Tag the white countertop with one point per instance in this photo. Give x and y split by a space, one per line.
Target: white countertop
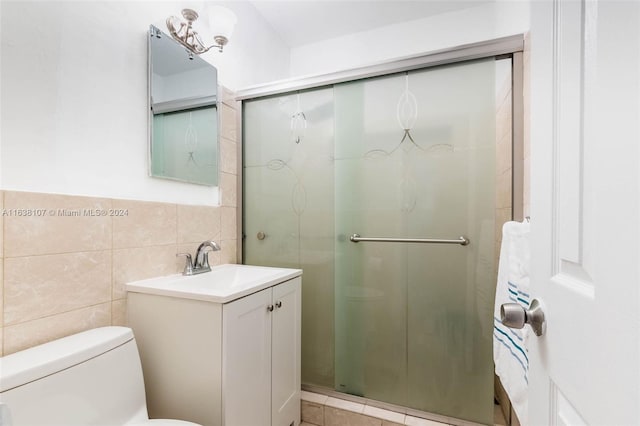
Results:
223 284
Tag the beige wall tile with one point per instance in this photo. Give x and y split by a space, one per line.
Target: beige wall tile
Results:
228 156
1 294
312 413
503 190
504 154
228 189
1 272
503 119
229 227
388 423
526 89
55 231
503 90
229 252
526 59
147 224
227 96
198 223
67 286
32 333
228 123
1 229
119 312
40 286
338 417
141 263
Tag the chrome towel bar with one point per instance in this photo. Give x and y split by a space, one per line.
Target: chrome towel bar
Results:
462 240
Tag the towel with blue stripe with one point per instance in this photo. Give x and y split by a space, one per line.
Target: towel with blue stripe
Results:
510 353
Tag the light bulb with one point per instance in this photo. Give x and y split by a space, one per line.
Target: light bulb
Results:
221 21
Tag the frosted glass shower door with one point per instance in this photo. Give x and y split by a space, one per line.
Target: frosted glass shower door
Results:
415 158
288 208
408 155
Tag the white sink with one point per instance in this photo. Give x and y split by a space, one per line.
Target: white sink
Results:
223 284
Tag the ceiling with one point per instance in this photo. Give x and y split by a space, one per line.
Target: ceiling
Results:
301 22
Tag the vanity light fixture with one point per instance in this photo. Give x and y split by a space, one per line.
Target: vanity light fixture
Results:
221 23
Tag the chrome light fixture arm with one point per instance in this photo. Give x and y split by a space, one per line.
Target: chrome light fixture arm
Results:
184 33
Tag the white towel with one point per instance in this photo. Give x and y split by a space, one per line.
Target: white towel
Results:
510 353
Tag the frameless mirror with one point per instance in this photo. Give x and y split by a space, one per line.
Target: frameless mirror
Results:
183 114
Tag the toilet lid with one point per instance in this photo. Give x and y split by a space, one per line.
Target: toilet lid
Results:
163 422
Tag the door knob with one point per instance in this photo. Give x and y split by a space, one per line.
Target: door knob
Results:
514 315
261 235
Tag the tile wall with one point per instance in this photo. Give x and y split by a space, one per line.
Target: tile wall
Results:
501 395
63 270
526 89
504 152
504 149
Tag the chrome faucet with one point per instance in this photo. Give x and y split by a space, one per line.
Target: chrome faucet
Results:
201 263
202 256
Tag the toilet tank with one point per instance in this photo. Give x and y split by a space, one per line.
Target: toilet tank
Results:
90 378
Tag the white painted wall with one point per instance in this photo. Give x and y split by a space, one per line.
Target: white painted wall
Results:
74 94
74 84
480 23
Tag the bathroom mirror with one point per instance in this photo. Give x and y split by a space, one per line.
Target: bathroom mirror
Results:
183 114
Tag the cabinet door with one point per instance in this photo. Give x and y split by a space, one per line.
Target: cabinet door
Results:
285 351
246 360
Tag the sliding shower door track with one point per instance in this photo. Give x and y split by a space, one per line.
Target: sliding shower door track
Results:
386 406
467 52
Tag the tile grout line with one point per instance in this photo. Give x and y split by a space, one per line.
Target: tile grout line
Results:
93 305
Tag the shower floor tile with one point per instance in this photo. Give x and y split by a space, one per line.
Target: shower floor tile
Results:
315 408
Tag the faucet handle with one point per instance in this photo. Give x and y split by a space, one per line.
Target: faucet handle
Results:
188 266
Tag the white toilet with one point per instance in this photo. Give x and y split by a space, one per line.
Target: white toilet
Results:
90 378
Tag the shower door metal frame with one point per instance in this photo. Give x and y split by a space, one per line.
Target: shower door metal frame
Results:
485 49
512 46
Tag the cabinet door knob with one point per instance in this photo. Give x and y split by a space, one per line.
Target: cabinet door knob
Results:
278 304
270 308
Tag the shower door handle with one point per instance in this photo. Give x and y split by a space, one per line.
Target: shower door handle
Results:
513 315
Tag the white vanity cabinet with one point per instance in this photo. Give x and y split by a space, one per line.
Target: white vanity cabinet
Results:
261 356
235 363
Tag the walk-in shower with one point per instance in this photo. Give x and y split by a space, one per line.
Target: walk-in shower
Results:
374 185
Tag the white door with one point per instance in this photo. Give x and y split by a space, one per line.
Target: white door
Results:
585 219
285 354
